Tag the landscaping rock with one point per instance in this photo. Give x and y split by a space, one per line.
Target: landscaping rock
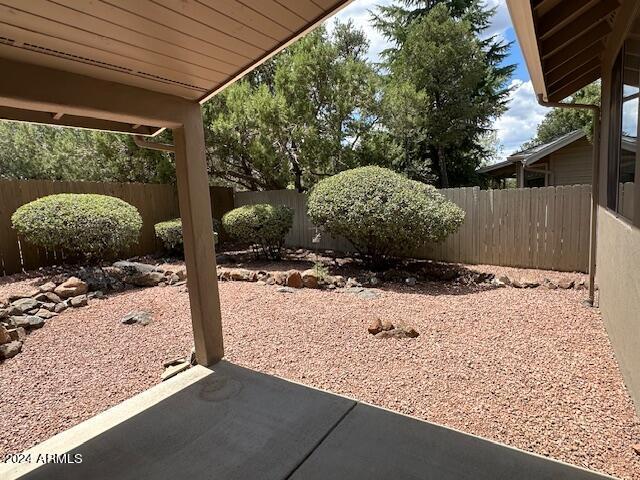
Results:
367 294
140 274
18 333
173 361
399 332
11 349
294 279
12 310
181 273
26 304
387 325
409 331
374 281
96 294
47 287
549 284
375 327
60 307
352 282
411 281
285 290
72 287
29 293
310 279
4 336
565 284
26 321
504 279
338 281
497 283
173 370
581 285
140 317
46 314
636 448
241 275
48 297
4 313
98 278
78 301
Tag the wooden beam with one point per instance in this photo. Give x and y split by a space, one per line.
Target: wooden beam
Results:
559 15
32 116
32 87
553 79
580 24
572 87
197 232
576 43
584 42
573 63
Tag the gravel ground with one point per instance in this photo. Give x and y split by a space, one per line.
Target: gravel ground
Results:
532 368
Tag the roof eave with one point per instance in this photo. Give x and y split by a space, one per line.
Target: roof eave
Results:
523 24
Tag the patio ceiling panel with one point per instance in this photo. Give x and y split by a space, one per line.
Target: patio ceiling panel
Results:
565 47
187 48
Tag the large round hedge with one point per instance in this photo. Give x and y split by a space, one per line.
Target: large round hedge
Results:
262 224
170 234
96 226
382 213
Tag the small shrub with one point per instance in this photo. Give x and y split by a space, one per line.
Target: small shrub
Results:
382 213
170 234
262 225
89 225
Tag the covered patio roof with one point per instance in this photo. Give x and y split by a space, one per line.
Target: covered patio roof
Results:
185 49
563 41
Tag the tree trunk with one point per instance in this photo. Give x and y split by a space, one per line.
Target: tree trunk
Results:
444 177
297 173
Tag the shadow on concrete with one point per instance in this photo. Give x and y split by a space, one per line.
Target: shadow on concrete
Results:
235 423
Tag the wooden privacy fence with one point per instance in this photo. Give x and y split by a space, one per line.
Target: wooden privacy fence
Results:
544 228
155 203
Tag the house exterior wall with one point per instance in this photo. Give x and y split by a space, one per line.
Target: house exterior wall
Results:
618 265
571 165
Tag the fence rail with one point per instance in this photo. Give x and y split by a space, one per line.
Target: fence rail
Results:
545 228
155 203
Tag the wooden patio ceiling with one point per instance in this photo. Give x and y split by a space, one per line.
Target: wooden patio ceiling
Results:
185 48
571 38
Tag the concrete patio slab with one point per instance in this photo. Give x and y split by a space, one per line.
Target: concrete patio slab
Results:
229 422
232 423
372 443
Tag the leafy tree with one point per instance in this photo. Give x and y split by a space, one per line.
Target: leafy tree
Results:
300 117
560 121
434 40
30 151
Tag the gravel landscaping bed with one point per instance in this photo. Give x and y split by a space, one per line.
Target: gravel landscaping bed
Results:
530 367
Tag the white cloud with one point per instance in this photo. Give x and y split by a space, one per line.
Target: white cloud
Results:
519 123
501 21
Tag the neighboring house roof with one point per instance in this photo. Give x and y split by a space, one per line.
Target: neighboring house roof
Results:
496 166
535 153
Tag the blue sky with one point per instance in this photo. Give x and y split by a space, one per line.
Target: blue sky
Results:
519 123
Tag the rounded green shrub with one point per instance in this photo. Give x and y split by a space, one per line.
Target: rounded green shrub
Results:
170 234
382 213
262 224
90 225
